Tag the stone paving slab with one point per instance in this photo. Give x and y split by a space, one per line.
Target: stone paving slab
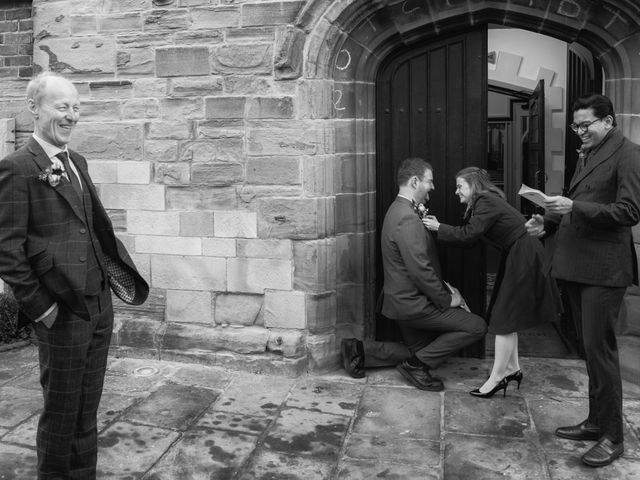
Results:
162 420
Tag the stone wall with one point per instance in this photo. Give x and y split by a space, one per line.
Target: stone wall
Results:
233 143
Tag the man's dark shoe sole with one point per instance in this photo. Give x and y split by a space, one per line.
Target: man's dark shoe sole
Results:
578 432
436 387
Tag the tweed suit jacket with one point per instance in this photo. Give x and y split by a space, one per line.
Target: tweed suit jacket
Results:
44 242
594 244
413 285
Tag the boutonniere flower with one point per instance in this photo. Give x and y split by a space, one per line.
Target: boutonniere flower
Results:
53 173
422 210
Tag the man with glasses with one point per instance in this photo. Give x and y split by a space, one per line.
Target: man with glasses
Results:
595 257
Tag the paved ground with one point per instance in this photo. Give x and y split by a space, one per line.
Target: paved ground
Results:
172 421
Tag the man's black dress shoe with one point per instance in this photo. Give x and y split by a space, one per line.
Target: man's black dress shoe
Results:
603 453
420 377
352 351
582 431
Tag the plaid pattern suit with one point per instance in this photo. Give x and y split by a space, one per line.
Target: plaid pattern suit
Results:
595 256
53 244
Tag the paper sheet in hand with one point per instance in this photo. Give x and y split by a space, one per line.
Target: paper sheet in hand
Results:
536 196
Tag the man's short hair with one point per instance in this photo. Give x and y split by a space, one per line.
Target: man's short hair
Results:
413 166
600 104
36 86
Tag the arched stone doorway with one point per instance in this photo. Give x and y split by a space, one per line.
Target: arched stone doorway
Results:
335 49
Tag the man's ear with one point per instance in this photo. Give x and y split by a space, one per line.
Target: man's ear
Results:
32 107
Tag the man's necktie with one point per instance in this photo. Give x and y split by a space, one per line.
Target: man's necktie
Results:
73 178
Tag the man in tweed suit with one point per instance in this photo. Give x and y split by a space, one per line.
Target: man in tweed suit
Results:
595 257
59 255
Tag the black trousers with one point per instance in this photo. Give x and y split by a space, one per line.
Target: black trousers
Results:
595 310
455 329
73 360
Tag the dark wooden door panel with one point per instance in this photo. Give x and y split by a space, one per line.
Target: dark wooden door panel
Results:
431 103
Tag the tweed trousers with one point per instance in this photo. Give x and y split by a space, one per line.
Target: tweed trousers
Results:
73 359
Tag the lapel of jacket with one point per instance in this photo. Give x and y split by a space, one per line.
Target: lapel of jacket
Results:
608 148
64 188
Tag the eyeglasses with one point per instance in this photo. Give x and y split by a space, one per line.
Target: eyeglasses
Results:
583 127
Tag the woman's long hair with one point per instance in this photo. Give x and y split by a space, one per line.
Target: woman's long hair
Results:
479 181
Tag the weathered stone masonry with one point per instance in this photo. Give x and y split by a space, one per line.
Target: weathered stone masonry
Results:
233 142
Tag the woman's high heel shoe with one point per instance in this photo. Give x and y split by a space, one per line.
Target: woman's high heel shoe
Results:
515 377
502 385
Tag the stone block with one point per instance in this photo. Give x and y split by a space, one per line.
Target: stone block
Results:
202 37
257 248
108 141
142 261
168 245
224 107
283 138
187 306
111 6
182 108
103 172
315 99
273 170
147 222
353 174
118 22
134 172
287 343
247 59
255 275
216 174
318 175
253 34
143 197
198 86
352 212
295 218
235 224
150 87
219 247
214 150
181 61
270 13
323 353
92 55
172 173
204 198
141 333
188 272
161 151
118 219
196 224
165 130
219 17
185 337
166 20
101 111
238 309
285 310
321 312
270 107
109 89
354 254
314 265
220 128
141 108
141 40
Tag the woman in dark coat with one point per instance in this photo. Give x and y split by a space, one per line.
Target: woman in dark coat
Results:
524 294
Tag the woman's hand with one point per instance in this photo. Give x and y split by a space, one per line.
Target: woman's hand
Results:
535 226
431 223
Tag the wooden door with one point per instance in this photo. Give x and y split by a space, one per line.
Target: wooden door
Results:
533 173
431 103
